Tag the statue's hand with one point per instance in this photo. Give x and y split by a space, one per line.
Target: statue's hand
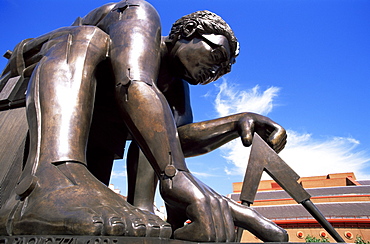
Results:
189 199
213 217
274 134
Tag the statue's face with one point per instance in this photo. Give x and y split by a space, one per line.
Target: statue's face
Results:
204 58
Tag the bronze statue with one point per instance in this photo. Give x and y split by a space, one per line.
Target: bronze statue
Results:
113 71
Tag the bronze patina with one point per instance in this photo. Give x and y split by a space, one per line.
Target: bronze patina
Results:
110 77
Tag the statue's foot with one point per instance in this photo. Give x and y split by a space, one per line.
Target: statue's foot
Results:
68 199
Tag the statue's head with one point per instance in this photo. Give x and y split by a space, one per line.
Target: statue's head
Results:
212 29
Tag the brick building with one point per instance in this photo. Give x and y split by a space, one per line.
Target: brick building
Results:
343 200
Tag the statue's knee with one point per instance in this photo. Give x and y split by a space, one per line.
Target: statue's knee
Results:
73 43
91 34
87 32
86 45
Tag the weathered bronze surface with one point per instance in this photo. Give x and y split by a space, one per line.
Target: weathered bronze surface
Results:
70 239
107 78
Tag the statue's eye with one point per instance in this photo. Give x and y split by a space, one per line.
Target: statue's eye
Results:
219 55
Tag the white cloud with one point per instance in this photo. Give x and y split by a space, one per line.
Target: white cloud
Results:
309 156
305 154
118 174
231 100
202 174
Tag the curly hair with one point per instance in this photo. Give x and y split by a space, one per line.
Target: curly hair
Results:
208 23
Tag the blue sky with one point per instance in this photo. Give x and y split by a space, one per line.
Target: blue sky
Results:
305 64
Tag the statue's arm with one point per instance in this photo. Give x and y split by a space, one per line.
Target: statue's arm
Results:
203 137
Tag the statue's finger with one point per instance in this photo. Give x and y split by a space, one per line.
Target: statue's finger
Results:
246 131
278 136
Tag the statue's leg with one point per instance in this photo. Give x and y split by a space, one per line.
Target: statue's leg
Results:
57 194
142 180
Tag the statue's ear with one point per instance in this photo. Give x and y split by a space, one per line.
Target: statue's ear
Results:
189 28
